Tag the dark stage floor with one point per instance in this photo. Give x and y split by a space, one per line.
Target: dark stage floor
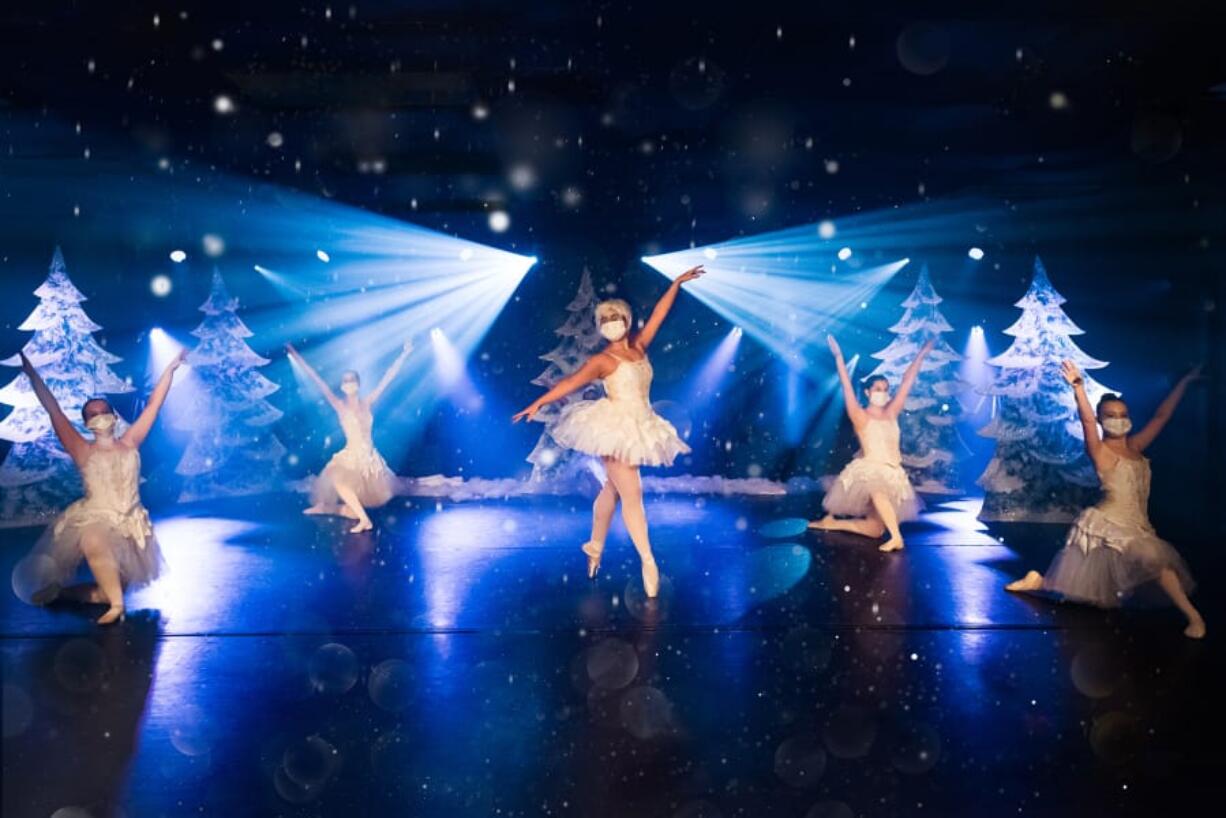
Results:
458 663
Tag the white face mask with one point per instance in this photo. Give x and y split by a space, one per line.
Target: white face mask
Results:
1117 427
101 424
349 388
879 399
613 330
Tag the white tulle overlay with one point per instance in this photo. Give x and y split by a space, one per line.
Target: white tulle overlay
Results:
110 509
621 426
877 470
358 465
1112 547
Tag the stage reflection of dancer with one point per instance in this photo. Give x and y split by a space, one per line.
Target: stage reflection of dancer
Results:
873 488
621 429
357 477
1112 548
108 527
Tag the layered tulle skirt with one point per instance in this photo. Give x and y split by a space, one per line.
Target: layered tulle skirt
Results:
362 469
57 556
1105 559
850 495
625 431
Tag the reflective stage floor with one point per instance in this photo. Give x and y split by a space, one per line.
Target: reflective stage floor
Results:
457 662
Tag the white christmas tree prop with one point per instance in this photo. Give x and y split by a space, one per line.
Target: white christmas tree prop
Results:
37 478
1039 471
233 450
931 446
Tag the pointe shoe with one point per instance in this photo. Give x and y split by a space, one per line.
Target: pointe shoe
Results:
115 613
892 544
363 525
593 552
651 580
1195 629
1033 581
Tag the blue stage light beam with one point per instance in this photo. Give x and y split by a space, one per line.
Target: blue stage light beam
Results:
452 373
706 384
785 289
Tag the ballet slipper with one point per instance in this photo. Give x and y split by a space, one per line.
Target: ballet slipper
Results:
593 550
115 613
892 544
1195 629
1033 581
363 525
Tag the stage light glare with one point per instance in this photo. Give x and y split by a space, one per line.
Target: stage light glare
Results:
826 229
710 253
499 221
178 256
322 256
466 254
844 254
975 253
436 334
977 330
737 332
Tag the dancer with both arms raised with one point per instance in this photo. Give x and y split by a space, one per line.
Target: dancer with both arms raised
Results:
108 528
873 488
621 429
357 477
1112 548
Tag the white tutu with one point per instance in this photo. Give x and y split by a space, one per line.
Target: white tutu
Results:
362 469
1104 560
851 493
111 509
622 426
606 428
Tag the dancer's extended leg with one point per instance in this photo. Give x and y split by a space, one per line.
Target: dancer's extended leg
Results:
869 526
629 487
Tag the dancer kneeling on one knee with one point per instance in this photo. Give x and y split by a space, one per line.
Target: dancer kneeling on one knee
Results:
357 477
621 429
873 489
108 528
1112 548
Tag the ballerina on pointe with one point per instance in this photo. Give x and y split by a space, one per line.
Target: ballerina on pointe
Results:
108 527
621 429
873 488
1112 548
357 477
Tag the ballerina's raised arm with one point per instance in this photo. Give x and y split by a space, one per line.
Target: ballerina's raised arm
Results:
139 430
390 374
663 306
1162 415
895 406
72 440
329 395
850 402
